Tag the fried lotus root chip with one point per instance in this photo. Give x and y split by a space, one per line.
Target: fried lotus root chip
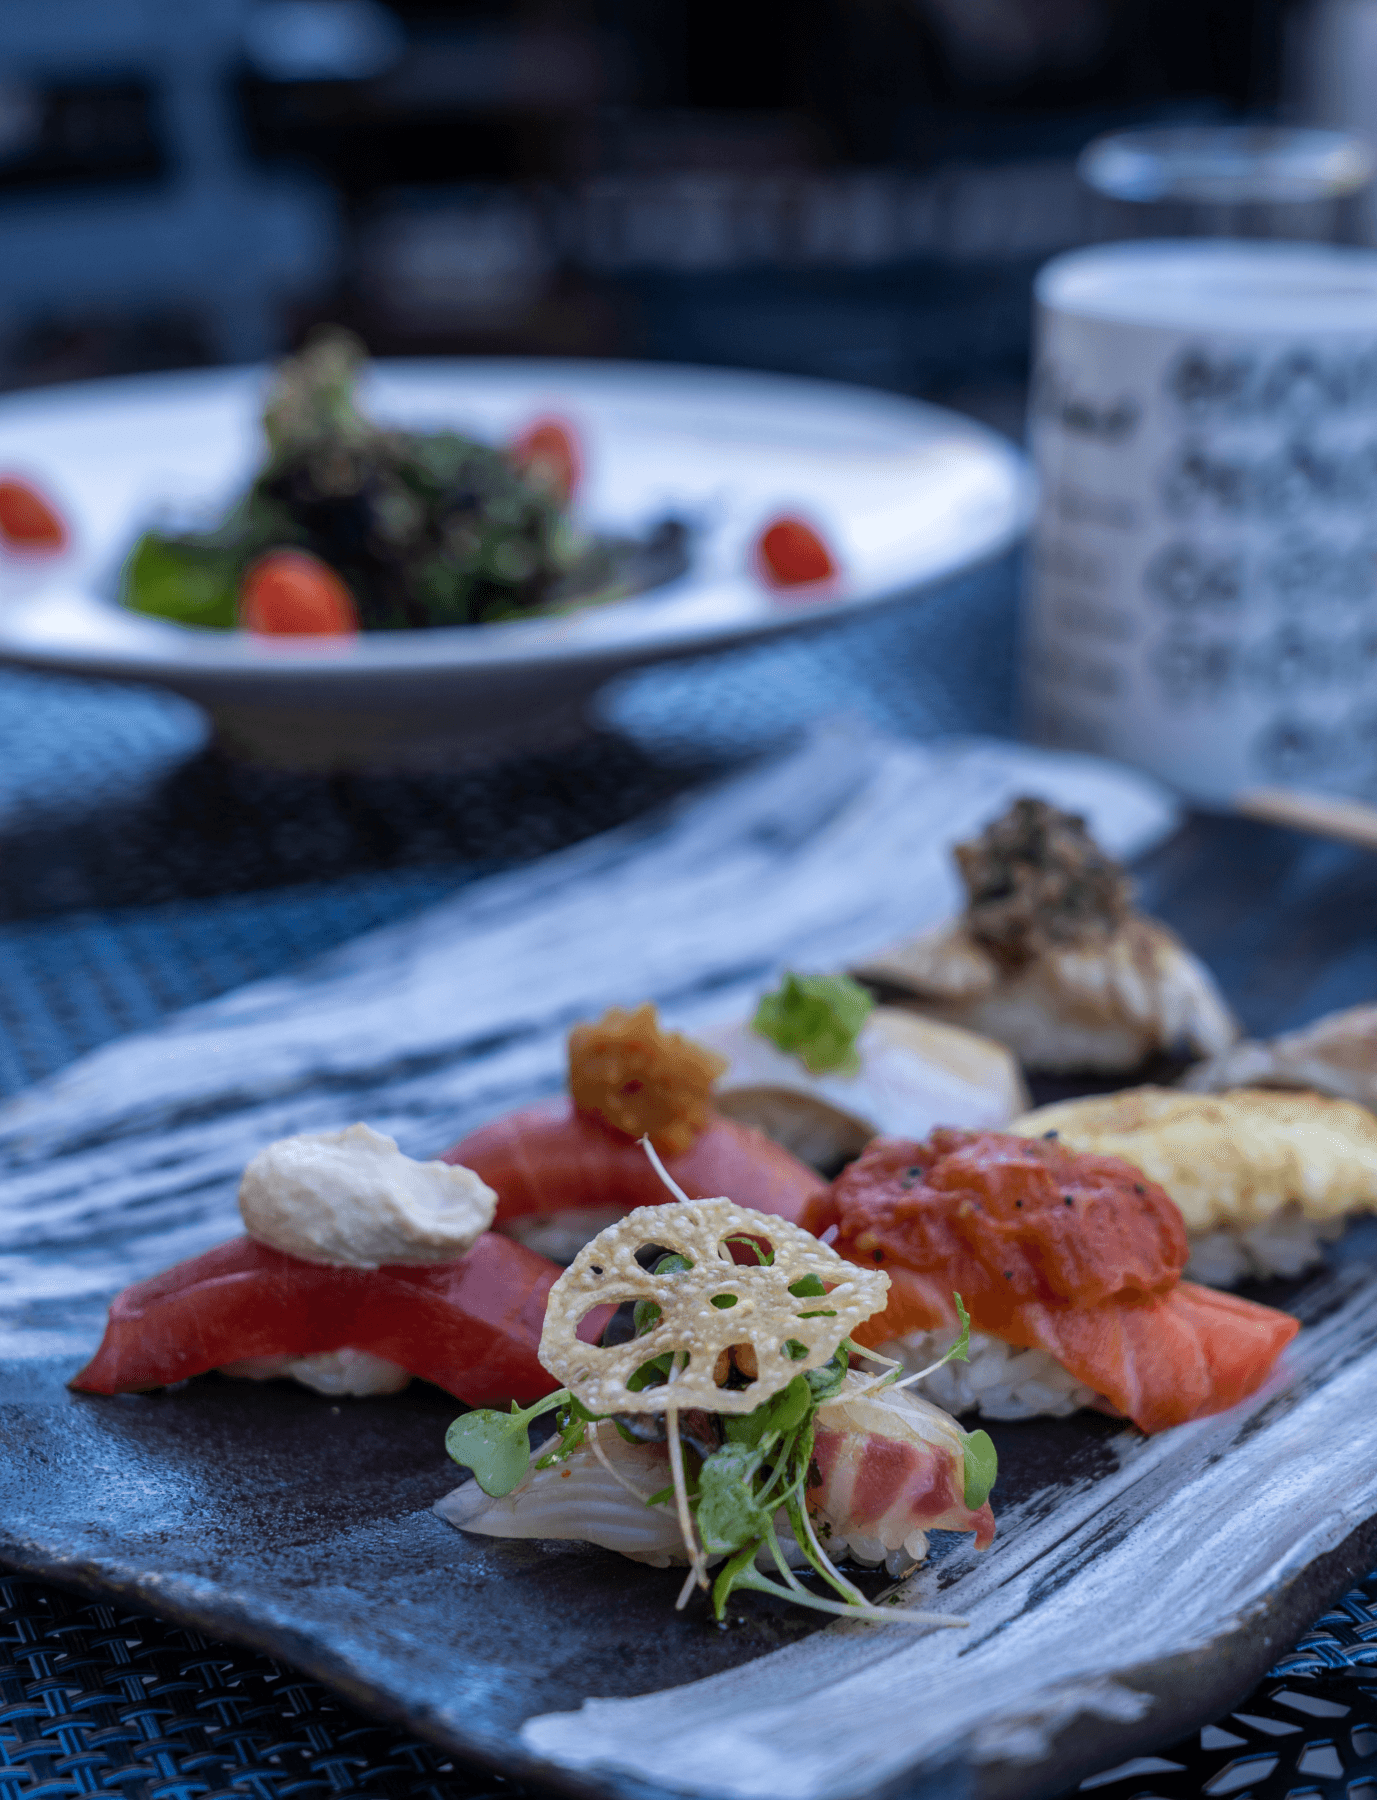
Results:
714 1305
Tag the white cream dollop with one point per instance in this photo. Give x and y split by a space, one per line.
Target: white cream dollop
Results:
352 1197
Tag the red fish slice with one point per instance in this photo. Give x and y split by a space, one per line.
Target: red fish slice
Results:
887 1487
550 1158
471 1326
1073 1254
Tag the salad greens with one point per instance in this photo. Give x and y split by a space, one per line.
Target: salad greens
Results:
737 1491
424 528
816 1018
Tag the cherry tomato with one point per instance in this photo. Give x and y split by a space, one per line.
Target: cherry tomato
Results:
548 450
290 593
27 520
789 552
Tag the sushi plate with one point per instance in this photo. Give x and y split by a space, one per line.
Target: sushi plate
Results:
907 495
1136 1589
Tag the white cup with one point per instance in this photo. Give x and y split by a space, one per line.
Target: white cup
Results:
1201 598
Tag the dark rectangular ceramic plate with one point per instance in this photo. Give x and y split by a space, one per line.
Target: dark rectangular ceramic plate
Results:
1136 1589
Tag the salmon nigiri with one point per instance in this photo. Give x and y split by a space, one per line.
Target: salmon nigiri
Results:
1070 1267
564 1168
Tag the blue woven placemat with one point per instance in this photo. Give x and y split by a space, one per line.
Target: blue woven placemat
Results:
140 872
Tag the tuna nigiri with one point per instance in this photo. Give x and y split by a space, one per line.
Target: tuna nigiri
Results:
1070 1266
564 1168
361 1268
471 1326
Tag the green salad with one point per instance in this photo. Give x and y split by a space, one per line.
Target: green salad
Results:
397 529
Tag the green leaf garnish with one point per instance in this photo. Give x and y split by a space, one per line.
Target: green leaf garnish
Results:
982 1465
826 1383
807 1287
957 1352
652 1373
645 1315
782 1412
763 1253
728 1512
495 1445
816 1018
961 1349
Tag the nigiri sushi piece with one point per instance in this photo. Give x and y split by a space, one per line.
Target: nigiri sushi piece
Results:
471 1325
1263 1178
1069 1265
889 1468
562 1169
821 1069
1051 959
729 1428
361 1268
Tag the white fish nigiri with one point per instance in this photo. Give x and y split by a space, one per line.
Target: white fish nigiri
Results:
892 1468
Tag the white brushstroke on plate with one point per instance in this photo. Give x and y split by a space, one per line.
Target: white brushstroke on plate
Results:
1170 1553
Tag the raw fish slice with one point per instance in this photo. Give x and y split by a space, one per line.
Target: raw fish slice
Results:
471 1326
1159 1360
890 1469
1168 1359
891 1464
549 1159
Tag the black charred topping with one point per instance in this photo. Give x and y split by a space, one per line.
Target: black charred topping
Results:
1036 879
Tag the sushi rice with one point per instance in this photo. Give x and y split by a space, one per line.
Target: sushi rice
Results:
998 1381
1286 1244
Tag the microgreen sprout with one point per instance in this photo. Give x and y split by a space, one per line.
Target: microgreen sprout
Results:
960 1351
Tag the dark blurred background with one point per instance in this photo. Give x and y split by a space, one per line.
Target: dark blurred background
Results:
850 188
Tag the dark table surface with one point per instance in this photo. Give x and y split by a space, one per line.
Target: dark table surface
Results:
140 872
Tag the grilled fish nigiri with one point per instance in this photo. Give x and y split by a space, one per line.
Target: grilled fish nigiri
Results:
1070 1267
1050 958
1335 1055
1263 1178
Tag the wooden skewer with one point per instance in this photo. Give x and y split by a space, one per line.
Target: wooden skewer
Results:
1352 821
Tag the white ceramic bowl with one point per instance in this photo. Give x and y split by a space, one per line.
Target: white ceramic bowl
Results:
905 494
